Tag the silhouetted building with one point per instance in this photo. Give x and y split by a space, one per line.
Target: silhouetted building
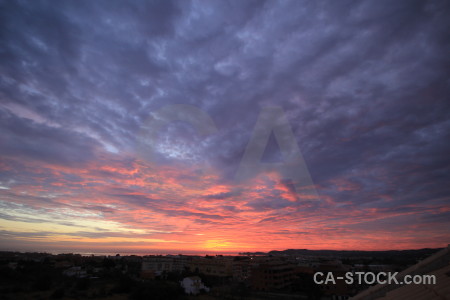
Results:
271 275
242 269
214 266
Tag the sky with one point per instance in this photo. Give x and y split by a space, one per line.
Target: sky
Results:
224 126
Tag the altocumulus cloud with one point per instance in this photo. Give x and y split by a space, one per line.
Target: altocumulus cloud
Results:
364 85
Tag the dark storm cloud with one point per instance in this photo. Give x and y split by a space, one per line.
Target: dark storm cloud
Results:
364 85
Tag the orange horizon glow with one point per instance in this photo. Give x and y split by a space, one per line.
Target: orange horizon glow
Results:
171 210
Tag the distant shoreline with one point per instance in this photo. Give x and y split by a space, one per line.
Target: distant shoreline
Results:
287 252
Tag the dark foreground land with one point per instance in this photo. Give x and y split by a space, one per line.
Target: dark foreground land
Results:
275 275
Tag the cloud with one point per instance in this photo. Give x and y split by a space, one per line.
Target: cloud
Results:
363 85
